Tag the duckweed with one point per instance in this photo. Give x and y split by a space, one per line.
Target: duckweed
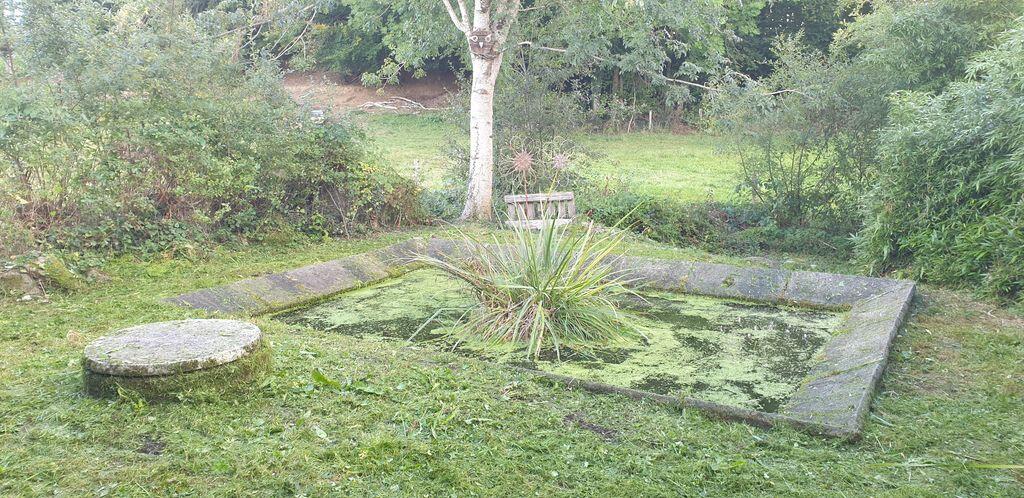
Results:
751 355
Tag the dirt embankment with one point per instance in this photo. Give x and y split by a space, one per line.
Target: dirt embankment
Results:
321 89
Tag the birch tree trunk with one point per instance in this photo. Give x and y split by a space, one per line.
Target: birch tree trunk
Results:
481 139
486 33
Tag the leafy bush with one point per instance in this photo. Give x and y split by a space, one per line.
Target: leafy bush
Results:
715 226
787 141
444 203
795 240
134 129
949 202
658 219
921 45
807 134
546 289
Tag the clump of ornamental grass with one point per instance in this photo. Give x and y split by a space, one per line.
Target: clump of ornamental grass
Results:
546 289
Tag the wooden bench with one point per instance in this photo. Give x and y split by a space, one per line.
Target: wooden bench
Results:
533 210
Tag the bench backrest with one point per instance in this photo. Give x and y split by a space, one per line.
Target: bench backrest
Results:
530 207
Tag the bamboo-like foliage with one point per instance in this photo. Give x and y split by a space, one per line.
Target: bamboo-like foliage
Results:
550 288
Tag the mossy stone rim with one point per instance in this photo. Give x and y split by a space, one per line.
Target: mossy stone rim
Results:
174 347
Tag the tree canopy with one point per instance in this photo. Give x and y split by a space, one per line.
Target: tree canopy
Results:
672 44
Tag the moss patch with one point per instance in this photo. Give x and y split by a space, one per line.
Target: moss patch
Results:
232 378
733 352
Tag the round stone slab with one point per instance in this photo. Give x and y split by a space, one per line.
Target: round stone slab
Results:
167 348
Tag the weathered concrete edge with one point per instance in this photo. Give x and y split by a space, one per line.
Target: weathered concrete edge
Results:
300 286
708 408
803 288
842 383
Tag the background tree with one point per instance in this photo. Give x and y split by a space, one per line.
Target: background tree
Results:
669 45
486 32
816 21
809 155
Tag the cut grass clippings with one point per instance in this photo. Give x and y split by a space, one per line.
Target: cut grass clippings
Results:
405 422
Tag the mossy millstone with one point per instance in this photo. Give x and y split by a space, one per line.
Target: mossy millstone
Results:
166 359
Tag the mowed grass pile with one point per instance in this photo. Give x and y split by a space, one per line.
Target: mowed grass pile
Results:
682 167
395 424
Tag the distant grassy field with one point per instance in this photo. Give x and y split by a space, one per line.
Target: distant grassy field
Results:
406 139
682 167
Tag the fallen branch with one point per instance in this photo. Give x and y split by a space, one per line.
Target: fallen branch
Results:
397 103
415 104
378 105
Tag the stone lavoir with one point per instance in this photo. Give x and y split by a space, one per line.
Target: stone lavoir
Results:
724 350
763 346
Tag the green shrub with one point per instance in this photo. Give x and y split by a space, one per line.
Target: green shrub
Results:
658 219
949 201
134 129
542 290
771 238
807 135
444 203
715 226
791 145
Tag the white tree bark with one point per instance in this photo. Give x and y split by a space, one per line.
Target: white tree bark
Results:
481 140
485 35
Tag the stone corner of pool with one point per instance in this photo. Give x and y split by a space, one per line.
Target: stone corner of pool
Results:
833 400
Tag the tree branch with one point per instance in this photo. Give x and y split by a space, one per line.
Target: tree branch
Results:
305 29
661 76
460 23
688 83
258 21
508 12
787 90
550 49
464 11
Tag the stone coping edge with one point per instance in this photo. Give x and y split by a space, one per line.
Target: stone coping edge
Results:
833 400
304 285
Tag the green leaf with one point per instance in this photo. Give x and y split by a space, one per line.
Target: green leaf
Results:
322 380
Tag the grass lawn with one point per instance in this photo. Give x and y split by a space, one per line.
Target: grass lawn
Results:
950 405
681 167
407 139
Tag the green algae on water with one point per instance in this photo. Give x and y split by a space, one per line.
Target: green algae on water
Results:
733 352
720 350
394 308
